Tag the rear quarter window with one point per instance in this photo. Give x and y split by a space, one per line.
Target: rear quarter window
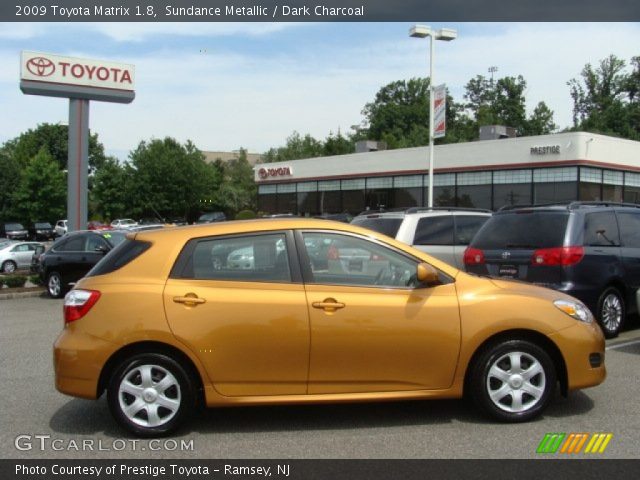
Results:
386 226
124 253
436 230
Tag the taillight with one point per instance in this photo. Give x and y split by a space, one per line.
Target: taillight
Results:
473 256
77 304
563 256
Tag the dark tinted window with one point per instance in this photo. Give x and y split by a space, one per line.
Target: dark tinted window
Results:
434 231
94 242
467 226
251 258
72 244
601 229
387 226
629 229
524 229
114 238
117 258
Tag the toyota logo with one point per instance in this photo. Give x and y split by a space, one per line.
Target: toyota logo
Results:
40 66
506 255
262 173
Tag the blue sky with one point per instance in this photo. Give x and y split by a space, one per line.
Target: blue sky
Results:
226 86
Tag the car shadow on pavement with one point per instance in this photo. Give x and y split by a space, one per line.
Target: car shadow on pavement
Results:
84 417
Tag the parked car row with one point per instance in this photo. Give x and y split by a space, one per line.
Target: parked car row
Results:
589 250
34 231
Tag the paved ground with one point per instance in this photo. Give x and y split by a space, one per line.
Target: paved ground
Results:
436 429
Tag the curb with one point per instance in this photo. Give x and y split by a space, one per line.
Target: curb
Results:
15 295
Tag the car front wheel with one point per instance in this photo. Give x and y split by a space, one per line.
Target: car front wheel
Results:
151 394
611 312
513 380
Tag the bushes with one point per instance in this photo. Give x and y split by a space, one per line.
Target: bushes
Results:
36 280
245 215
15 281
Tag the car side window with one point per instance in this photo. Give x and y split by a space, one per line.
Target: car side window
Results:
94 242
74 244
336 259
467 226
435 230
20 248
629 229
250 258
601 230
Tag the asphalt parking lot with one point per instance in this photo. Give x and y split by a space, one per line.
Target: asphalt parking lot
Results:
44 423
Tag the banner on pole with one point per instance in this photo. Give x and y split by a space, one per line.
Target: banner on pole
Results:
439 107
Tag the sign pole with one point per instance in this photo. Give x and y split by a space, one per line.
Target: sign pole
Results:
78 164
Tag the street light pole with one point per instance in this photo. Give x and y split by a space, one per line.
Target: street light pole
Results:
447 34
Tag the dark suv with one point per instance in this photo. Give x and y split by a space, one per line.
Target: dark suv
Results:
73 255
590 250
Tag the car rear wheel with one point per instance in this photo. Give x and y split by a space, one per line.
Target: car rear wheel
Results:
611 312
513 380
9 266
151 394
55 288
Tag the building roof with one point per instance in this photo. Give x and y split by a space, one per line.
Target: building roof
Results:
571 148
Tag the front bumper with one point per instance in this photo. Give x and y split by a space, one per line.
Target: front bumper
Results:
580 344
78 359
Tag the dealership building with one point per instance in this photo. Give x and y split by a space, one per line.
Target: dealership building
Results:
482 174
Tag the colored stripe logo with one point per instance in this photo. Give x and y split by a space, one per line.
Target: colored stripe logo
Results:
573 443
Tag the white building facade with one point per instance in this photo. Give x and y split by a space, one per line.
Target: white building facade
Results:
483 174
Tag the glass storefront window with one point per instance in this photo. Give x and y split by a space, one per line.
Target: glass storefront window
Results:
511 194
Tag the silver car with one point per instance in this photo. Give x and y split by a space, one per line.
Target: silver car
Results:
17 255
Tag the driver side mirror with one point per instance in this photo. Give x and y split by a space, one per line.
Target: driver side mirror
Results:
427 275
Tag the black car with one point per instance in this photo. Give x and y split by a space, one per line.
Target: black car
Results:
41 231
13 231
73 255
590 250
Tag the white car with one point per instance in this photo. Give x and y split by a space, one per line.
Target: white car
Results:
124 223
61 228
17 255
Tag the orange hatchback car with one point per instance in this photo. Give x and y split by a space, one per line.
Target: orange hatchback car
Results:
286 311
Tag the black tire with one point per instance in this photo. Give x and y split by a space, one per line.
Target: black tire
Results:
498 397
611 312
55 287
172 406
9 266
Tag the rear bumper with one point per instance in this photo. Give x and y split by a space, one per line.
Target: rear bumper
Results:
580 344
78 360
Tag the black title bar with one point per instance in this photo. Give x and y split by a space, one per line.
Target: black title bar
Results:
319 10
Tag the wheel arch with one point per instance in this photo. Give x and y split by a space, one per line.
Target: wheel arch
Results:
149 347
532 336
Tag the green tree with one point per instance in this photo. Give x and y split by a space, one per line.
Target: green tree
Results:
169 178
238 189
54 138
111 195
605 98
41 193
296 147
10 176
540 122
337 145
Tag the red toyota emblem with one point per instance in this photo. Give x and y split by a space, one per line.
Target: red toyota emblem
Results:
262 173
40 66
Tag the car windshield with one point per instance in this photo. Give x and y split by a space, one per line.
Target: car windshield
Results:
526 229
388 226
43 225
13 226
115 238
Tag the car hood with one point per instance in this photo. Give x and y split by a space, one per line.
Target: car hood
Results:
524 288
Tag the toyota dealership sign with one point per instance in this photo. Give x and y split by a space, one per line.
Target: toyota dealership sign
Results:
57 75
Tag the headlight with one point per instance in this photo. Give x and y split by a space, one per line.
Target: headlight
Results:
575 309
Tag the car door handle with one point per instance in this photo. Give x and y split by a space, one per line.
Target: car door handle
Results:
190 299
329 304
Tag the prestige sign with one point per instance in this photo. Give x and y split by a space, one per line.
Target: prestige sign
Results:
59 70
